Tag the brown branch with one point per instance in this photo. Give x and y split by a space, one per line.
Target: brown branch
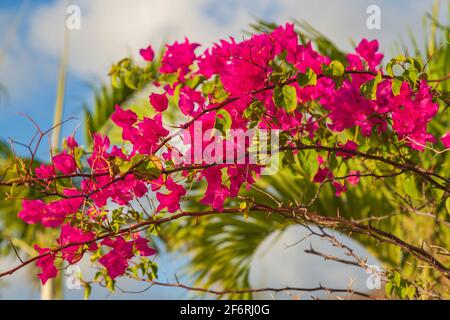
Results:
426 175
15 251
298 215
268 289
29 181
312 251
302 215
132 229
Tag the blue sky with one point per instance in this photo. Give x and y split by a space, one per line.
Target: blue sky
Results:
112 29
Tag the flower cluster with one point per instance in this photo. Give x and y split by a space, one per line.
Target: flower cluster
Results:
270 81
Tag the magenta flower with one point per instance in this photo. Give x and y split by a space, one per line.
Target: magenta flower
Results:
69 235
368 50
159 101
354 177
179 57
71 142
446 140
65 163
116 260
115 263
124 118
147 53
349 145
141 245
171 201
45 171
340 188
47 265
322 174
32 211
52 214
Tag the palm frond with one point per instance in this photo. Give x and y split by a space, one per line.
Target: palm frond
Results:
221 247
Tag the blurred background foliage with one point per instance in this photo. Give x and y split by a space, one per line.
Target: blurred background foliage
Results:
221 247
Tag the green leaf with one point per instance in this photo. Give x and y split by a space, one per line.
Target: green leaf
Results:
285 97
144 167
110 284
412 75
223 121
447 205
309 78
278 96
334 70
290 98
342 170
309 162
389 289
87 291
410 292
389 69
254 111
396 86
129 80
369 88
218 93
410 187
281 69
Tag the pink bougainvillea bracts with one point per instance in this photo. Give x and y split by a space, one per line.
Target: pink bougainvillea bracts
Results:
147 53
221 98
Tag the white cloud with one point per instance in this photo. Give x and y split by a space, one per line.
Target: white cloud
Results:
345 20
111 29
20 71
304 270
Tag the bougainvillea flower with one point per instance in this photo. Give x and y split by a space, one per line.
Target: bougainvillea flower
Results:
322 174
446 140
65 163
69 235
171 201
216 198
147 53
271 81
32 211
98 160
45 171
159 101
47 265
349 145
123 118
178 57
71 142
340 188
353 177
141 245
116 261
